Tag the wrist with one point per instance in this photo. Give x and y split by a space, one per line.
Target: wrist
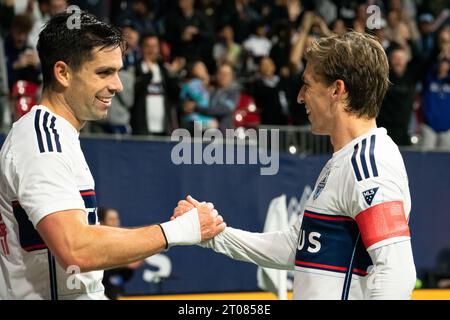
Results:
184 230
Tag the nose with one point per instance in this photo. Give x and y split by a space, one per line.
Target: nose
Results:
301 95
116 84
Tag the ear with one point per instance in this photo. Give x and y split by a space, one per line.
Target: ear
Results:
339 90
62 73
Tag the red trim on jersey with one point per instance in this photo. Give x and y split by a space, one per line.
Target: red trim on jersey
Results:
319 265
329 267
35 247
325 217
87 193
382 221
360 272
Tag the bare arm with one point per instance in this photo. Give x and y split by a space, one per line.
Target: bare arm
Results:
298 48
94 247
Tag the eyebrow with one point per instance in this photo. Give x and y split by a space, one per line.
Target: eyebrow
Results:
108 69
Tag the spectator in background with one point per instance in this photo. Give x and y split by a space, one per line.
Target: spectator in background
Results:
41 13
404 74
256 46
226 50
426 39
270 95
114 279
155 88
140 14
339 27
272 12
195 98
131 36
240 15
436 105
327 10
443 39
381 34
6 15
281 50
57 6
22 61
5 111
190 34
224 97
360 20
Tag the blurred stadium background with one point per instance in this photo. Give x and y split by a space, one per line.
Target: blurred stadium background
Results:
261 44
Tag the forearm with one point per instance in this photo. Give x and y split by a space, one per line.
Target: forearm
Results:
297 50
102 247
272 250
95 247
393 276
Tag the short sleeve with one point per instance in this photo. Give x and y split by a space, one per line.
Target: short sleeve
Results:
45 184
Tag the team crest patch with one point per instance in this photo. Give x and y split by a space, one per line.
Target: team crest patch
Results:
370 194
321 185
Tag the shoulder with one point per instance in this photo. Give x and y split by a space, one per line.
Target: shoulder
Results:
41 132
375 156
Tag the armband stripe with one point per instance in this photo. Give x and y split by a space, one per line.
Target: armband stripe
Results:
383 221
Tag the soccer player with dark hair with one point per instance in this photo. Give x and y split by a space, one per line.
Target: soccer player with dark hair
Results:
52 245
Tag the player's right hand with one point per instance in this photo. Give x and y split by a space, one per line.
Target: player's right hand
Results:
187 205
211 223
208 231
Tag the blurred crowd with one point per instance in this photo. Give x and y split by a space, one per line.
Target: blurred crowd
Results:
225 64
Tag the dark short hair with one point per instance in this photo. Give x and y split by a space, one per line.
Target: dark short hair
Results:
74 46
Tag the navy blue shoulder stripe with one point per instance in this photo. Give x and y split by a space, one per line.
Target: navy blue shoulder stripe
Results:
372 156
52 126
47 132
365 148
38 130
363 159
51 134
354 164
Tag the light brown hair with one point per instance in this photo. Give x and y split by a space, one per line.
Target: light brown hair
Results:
360 62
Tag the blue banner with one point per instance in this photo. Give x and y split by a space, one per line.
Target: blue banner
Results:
139 179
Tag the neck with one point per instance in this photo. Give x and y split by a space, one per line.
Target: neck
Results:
349 128
58 104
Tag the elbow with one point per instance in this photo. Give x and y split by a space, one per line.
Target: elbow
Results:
72 262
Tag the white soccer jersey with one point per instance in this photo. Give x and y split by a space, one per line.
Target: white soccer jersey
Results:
360 205
346 214
43 170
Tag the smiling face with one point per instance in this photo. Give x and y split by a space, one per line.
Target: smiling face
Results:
316 97
91 88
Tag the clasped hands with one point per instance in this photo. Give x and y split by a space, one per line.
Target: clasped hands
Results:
211 223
